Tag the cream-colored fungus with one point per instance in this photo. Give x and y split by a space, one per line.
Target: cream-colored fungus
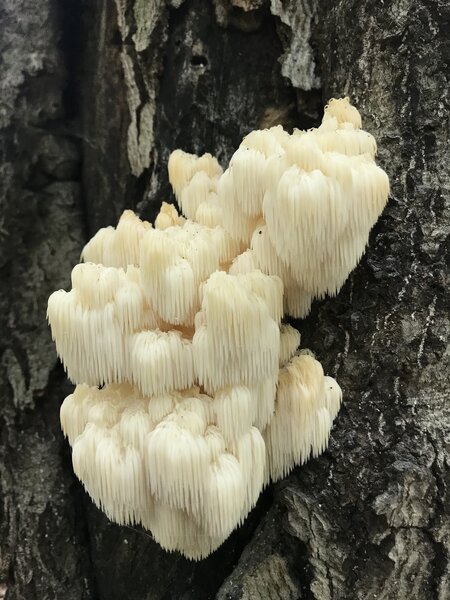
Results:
205 397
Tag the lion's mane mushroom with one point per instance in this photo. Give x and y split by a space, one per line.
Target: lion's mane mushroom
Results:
205 396
304 203
306 403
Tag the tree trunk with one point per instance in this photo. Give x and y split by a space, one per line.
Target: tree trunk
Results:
95 95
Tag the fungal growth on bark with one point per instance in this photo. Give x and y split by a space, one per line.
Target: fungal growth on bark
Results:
192 394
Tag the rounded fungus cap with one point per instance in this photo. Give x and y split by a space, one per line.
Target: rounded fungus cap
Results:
160 362
250 450
235 411
177 459
238 340
225 496
341 110
117 247
301 423
183 167
175 530
168 217
113 474
290 341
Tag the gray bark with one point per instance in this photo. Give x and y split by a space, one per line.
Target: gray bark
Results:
95 95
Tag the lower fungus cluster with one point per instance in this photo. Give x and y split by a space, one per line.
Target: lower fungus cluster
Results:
205 396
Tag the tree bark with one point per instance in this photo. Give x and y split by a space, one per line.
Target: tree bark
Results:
95 95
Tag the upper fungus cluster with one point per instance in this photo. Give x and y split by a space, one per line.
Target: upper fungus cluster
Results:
205 396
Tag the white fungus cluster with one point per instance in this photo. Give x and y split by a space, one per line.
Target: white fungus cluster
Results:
305 203
191 393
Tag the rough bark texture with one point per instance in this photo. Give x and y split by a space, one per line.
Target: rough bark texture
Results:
94 97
